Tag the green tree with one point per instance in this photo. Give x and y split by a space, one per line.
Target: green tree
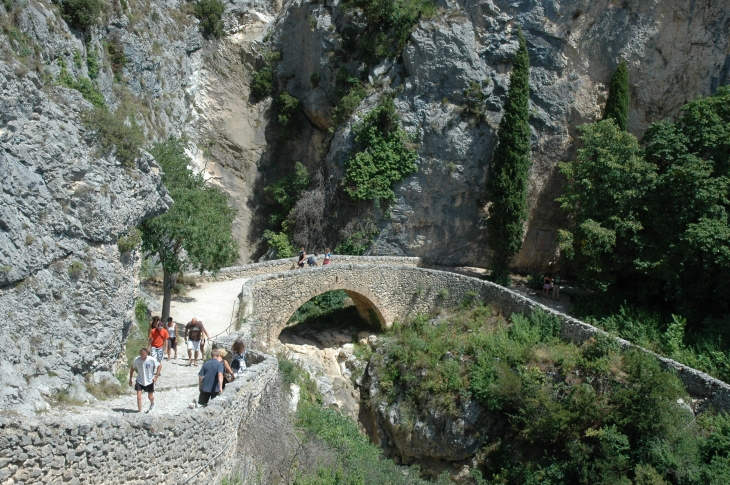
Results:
196 231
688 231
81 14
617 105
507 183
648 222
603 199
388 23
383 157
210 13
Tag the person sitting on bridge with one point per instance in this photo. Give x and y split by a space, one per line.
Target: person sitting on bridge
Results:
302 258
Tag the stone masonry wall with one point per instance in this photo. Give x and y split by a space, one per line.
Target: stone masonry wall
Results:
285 264
199 446
397 292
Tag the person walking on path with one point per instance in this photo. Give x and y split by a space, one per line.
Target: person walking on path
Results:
556 286
158 341
194 331
210 378
148 370
228 375
327 257
302 258
312 260
172 339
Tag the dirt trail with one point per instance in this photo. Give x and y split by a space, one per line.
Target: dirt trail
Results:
210 302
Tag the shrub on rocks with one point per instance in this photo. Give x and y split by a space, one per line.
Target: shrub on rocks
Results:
81 14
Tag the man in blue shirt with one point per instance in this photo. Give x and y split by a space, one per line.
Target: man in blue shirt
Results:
210 379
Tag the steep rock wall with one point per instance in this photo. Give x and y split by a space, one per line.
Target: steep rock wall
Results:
675 50
66 292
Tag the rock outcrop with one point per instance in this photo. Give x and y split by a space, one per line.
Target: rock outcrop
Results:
675 51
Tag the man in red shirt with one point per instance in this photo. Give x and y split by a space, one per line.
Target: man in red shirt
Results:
158 341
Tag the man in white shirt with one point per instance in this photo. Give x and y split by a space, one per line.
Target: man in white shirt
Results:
148 370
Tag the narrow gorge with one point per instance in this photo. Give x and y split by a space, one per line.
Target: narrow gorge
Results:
273 102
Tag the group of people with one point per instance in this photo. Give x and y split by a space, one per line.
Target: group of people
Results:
551 282
162 341
311 259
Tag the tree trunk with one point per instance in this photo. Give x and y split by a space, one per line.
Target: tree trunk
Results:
168 283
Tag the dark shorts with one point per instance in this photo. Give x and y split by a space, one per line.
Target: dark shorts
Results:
140 387
204 397
172 343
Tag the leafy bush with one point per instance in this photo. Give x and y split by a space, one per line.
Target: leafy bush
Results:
357 244
87 88
314 79
287 105
351 91
262 83
281 242
566 414
81 14
92 62
114 134
210 13
382 159
129 241
117 57
388 25
75 269
475 99
535 281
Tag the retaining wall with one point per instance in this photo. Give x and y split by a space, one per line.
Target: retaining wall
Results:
398 292
199 446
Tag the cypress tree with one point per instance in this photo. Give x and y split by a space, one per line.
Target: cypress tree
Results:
617 106
507 183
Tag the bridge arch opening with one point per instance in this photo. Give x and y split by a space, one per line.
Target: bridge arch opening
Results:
336 310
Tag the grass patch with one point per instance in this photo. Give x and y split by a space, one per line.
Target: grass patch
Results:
118 133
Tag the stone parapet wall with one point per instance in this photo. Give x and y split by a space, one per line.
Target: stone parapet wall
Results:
287 264
199 446
388 292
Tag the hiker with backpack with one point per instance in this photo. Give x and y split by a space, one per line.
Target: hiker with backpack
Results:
312 260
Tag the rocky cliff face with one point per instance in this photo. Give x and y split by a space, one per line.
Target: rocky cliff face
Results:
67 292
675 51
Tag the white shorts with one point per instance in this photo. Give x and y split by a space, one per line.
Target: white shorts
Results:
194 345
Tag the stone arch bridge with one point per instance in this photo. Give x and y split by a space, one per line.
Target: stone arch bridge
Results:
388 289
382 292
